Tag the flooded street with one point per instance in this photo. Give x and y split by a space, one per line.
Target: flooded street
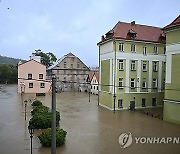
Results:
90 129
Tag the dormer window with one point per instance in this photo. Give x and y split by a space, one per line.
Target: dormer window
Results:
132 34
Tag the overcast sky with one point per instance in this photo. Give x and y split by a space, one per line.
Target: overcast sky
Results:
62 26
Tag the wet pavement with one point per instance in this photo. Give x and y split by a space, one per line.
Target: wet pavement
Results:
90 129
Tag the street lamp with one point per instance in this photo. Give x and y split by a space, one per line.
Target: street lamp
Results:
31 131
25 107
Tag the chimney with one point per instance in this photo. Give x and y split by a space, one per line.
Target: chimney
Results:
133 23
102 38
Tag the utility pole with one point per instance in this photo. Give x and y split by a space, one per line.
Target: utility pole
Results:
53 121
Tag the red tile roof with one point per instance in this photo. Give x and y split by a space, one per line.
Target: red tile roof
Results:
175 23
142 32
70 54
90 76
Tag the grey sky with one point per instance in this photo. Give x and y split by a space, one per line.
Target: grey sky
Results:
63 26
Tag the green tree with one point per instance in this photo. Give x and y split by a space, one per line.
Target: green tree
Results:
46 58
8 74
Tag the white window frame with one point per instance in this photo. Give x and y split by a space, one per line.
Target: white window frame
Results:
144 68
144 87
133 82
42 85
121 83
155 50
133 65
155 83
41 75
155 66
30 84
144 50
133 48
29 76
121 64
120 101
121 47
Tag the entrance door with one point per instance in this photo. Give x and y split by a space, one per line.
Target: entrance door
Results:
132 105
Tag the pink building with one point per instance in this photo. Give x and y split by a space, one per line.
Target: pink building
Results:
32 77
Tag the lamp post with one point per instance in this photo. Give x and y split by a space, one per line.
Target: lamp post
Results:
25 107
53 122
89 91
31 131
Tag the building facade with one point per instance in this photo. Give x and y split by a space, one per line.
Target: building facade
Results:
93 79
132 67
71 73
172 88
32 77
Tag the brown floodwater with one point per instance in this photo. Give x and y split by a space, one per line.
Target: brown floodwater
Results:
90 129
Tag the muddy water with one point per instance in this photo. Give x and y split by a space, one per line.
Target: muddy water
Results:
91 129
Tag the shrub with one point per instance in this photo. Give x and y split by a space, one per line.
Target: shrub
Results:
42 117
37 103
45 137
40 109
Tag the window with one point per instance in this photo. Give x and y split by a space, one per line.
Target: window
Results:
143 84
71 65
133 48
121 46
154 101
164 82
72 59
42 85
30 85
155 50
64 78
77 65
164 66
29 76
121 65
143 102
155 66
97 87
64 64
133 65
164 50
120 82
120 102
64 71
144 66
144 50
132 83
40 76
155 83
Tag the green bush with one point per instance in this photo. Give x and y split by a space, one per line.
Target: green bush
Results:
40 109
45 137
41 117
37 103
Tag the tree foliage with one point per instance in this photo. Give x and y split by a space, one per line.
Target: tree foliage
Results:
46 58
41 117
8 74
45 137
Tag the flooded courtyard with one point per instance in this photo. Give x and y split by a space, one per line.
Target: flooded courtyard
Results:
90 129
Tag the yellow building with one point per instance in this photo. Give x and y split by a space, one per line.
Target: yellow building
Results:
172 88
132 67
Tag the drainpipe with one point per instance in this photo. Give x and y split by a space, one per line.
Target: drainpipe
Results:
114 96
99 75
